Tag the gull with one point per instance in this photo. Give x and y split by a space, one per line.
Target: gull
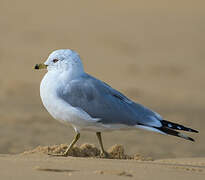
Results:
74 97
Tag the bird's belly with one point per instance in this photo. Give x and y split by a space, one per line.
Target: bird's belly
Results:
52 103
61 110
58 109
108 127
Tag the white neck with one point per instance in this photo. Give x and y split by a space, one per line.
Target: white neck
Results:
67 70
72 72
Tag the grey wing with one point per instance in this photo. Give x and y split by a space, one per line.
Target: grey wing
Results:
101 101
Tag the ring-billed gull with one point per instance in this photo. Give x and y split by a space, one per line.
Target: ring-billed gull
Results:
72 96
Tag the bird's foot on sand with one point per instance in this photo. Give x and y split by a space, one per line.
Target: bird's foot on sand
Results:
104 154
64 154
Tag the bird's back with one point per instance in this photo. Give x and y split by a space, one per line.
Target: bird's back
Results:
99 100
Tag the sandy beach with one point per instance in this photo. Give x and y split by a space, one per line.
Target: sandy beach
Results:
151 51
44 167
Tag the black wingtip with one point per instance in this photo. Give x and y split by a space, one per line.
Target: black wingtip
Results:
176 126
193 130
175 133
184 136
191 139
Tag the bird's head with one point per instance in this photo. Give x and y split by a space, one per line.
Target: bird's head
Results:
62 60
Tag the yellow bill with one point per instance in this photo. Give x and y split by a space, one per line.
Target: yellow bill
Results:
40 66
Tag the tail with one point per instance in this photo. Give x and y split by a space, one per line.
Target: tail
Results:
172 125
167 128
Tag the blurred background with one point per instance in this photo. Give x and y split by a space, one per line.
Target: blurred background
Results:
152 51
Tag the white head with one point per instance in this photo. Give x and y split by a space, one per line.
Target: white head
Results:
64 60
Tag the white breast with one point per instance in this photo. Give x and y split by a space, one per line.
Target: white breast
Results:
60 109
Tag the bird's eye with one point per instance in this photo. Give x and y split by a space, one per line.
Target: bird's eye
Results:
55 60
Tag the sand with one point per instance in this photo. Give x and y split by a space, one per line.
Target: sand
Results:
152 51
84 162
87 150
39 166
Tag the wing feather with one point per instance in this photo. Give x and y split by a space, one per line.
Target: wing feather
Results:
101 101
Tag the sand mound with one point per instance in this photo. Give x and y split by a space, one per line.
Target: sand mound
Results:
88 150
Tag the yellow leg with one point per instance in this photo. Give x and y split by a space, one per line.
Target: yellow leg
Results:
103 152
72 144
69 147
